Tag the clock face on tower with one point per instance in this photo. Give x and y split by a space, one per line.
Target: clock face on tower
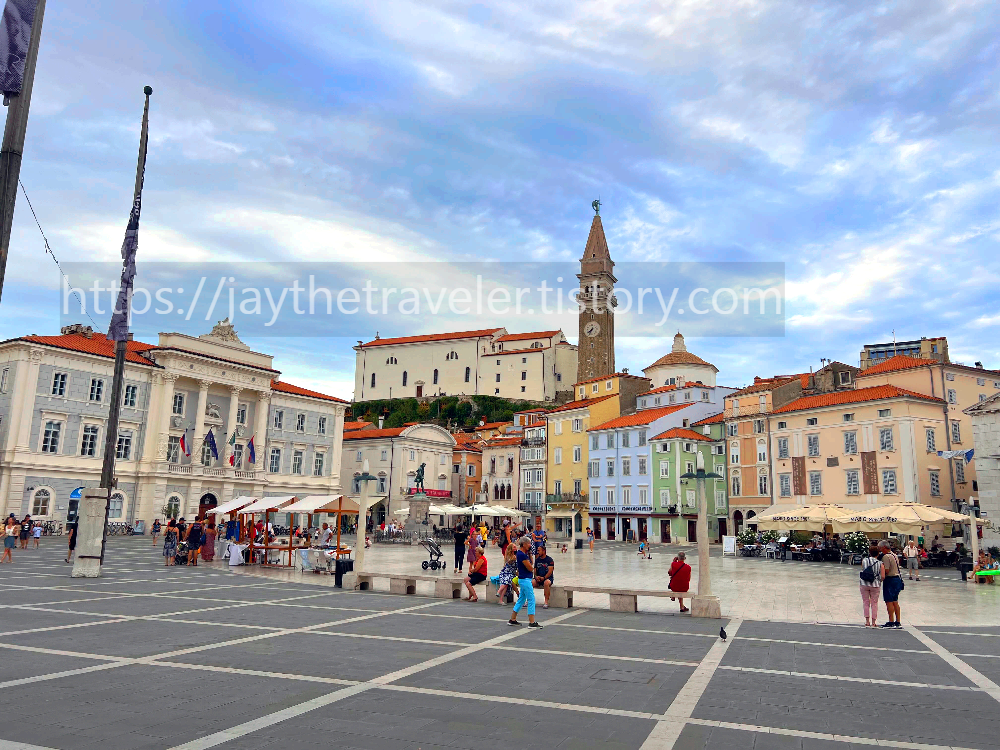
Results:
592 329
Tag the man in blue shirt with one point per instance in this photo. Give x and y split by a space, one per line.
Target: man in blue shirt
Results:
543 578
525 573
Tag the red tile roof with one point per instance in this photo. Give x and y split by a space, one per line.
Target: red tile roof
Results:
646 416
433 337
661 389
764 384
583 402
372 434
680 358
499 442
359 425
857 396
282 387
610 377
683 433
493 425
894 364
98 344
525 336
714 419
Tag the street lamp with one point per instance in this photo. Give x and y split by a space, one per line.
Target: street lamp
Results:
704 604
364 504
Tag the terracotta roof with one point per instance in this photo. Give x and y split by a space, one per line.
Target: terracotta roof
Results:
467 448
661 389
804 379
764 384
282 387
98 344
493 425
359 425
582 403
609 377
859 395
639 418
524 336
530 411
499 442
372 434
683 433
714 419
894 364
680 358
519 351
433 337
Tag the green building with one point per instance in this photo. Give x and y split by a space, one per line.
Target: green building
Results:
675 500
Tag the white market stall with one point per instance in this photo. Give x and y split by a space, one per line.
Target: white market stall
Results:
265 507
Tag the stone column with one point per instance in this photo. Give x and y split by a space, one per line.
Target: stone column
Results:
166 404
199 422
704 604
234 402
260 428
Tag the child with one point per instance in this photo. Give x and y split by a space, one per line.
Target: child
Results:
644 550
508 574
37 534
564 548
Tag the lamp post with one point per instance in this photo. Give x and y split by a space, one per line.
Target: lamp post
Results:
365 502
704 604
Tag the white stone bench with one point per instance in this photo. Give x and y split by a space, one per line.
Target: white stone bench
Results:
403 583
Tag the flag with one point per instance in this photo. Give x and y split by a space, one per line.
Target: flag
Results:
232 445
969 454
15 36
210 442
252 452
966 454
185 446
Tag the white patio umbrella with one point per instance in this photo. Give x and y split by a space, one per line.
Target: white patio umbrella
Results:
806 518
899 517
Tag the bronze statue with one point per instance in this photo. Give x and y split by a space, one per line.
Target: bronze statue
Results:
596 205
418 480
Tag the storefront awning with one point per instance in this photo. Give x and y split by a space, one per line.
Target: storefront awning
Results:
562 513
268 503
323 504
235 504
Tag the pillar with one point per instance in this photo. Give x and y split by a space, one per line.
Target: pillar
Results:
260 428
166 407
199 422
234 401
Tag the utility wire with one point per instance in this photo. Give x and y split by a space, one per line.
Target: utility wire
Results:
48 249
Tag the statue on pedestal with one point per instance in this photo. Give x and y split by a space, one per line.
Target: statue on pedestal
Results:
418 479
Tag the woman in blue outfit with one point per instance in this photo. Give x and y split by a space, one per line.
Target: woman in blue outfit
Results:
525 572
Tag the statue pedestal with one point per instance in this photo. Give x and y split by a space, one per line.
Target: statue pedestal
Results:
706 606
419 507
90 533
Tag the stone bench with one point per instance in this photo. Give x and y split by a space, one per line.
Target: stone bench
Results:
404 583
626 600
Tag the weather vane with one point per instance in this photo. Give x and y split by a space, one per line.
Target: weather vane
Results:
596 205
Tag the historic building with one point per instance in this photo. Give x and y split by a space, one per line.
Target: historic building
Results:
501 470
54 406
985 417
596 353
466 468
935 348
680 366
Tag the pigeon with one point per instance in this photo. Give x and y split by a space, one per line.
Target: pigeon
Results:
722 633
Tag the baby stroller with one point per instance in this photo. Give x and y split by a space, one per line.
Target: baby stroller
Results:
181 556
435 555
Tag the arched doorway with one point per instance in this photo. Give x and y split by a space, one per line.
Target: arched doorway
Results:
751 515
207 502
738 521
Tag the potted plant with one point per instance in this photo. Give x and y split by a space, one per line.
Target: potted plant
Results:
856 542
745 537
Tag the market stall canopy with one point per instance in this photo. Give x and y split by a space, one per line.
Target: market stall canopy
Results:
233 505
806 517
562 513
448 509
481 510
323 504
900 517
268 503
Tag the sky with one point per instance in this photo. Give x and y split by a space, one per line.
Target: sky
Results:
853 142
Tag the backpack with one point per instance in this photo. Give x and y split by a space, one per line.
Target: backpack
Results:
868 574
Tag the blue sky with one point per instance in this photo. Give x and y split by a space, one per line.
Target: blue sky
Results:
853 141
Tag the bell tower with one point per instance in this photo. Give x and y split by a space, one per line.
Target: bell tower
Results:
596 348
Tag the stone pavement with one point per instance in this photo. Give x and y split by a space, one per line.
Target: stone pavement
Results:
154 657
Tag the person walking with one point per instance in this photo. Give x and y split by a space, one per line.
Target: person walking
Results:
508 573
155 530
912 554
170 538
71 528
208 542
590 539
544 570
477 573
460 536
525 572
10 533
194 539
680 577
872 573
892 585
25 531
36 532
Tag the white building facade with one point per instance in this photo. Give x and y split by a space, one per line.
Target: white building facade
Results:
985 418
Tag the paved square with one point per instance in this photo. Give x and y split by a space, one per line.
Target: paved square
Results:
194 658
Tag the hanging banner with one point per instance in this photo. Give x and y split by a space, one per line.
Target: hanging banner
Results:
869 472
15 35
798 475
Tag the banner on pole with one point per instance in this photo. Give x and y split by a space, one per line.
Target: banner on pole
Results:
15 35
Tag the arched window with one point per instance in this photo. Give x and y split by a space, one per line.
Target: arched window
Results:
117 505
435 377
496 491
373 380
392 361
404 377
468 372
173 507
40 502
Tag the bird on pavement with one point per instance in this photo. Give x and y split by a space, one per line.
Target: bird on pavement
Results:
722 633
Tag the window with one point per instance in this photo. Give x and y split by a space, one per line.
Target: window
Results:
318 464
582 392
626 495
241 414
888 481
435 376
404 377
956 432
384 456
472 470
762 484
611 496
664 469
734 453
718 450
206 456
853 482
577 453
758 426
595 442
665 447
642 466
815 483
40 503
50 440
782 447
173 506
594 469
279 419
173 449
813 444
812 421
960 471
97 390
238 455
845 377
274 461
557 456
736 404
762 401
689 447
373 380
413 455
595 388
664 498
785 485
736 485
704 395
608 385
611 467
931 443
672 398
3 379
577 425
322 425
123 451
116 505
952 396
626 467
88 443
625 439
849 417
557 426
300 422
59 384
885 439
381 484
357 456
392 361
885 412
131 396
949 376
609 440
455 468
731 430
761 452
936 483
850 443
687 395
782 425
468 374
642 438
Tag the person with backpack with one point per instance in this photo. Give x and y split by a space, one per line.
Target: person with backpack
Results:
872 573
194 541
892 584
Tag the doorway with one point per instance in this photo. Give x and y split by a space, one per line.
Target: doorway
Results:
642 529
207 502
665 530
611 529
692 530
738 520
723 529
627 535
596 527
420 391
751 524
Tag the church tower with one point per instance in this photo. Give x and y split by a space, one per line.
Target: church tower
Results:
596 348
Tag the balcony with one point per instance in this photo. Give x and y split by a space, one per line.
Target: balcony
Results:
567 497
535 442
178 469
531 506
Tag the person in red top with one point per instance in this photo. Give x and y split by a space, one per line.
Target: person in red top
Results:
477 573
680 577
